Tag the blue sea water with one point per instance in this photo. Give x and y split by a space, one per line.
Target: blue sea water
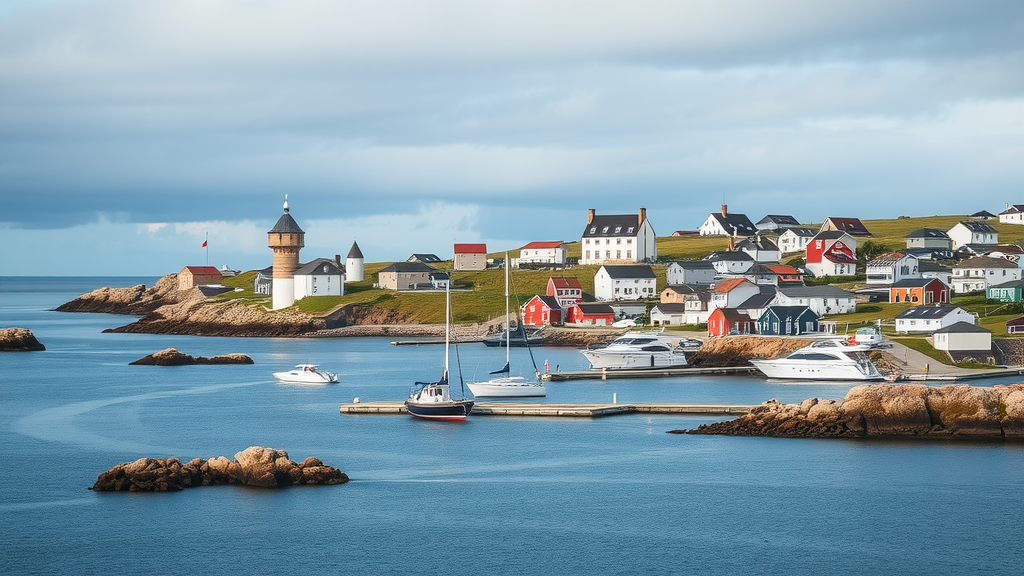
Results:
492 496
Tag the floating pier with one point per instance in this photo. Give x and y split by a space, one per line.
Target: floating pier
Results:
559 410
606 374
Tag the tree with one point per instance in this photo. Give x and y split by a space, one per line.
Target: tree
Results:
870 250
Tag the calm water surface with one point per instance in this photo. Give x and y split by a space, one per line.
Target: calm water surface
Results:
492 496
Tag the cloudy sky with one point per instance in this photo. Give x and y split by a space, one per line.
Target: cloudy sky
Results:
131 129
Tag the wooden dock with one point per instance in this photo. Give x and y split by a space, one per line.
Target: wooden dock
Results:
560 410
646 373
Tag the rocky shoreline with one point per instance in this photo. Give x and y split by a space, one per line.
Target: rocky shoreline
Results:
255 466
19 340
171 357
888 410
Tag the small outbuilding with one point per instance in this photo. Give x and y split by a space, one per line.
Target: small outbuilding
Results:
725 321
962 339
194 276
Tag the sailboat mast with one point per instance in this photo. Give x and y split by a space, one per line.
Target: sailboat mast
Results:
508 327
447 329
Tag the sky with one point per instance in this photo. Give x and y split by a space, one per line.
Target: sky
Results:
132 130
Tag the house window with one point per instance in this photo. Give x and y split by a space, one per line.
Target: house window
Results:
629 253
618 254
629 230
604 230
593 230
618 229
618 240
607 253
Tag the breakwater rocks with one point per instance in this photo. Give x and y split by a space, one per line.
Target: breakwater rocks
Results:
254 466
19 340
231 319
171 357
888 410
738 350
136 300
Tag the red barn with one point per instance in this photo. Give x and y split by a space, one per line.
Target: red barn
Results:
566 290
541 311
590 313
725 321
192 276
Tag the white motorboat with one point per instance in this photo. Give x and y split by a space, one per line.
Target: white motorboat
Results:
822 360
307 374
636 350
505 385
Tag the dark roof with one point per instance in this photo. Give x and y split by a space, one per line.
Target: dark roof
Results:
728 256
756 243
408 267
316 266
926 254
549 301
355 252
1018 321
629 270
694 264
927 312
1010 284
928 233
733 315
779 220
979 227
814 292
425 258
613 225
1013 209
211 290
801 231
440 276
687 288
594 308
913 282
983 214
931 266
962 328
286 225
759 300
985 262
852 226
735 224
671 308
789 311
830 235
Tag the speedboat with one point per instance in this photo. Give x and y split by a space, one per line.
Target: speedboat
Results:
637 350
822 360
307 374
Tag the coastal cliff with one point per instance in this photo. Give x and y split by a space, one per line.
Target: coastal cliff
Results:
887 410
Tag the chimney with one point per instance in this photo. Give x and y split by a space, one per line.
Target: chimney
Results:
590 215
643 216
725 210
337 259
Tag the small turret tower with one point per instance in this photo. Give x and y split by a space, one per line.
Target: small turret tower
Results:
285 239
354 264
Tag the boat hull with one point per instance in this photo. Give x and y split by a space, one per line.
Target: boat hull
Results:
782 369
633 360
507 388
453 410
292 378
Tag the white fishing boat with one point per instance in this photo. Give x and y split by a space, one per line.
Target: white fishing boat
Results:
822 360
636 350
307 374
505 385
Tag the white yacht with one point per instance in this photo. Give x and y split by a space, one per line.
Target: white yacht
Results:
637 350
822 360
307 374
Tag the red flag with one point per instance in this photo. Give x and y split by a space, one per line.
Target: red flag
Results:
204 244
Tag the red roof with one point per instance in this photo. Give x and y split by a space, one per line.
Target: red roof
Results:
1016 321
202 270
542 245
471 248
782 269
565 283
838 258
728 285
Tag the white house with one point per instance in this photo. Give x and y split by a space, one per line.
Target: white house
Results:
440 280
1014 214
929 238
321 277
760 249
978 273
931 318
725 224
930 269
542 253
795 239
666 314
690 272
821 300
972 232
625 282
893 267
730 262
731 293
963 337
618 239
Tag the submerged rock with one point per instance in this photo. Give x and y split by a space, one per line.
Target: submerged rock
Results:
254 466
19 340
905 410
171 357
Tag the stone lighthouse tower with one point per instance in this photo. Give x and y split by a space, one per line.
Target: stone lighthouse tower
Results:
354 264
285 239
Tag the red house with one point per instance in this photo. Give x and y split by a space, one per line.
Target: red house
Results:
725 321
787 274
920 291
590 313
1015 326
566 290
541 311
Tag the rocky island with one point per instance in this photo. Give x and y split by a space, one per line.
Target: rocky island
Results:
19 340
254 466
886 410
171 357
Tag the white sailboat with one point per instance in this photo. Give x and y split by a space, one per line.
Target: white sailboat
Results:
504 385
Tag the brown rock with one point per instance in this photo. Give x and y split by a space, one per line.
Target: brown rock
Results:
171 357
889 409
19 340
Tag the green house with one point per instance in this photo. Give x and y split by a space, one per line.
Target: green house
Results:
1012 291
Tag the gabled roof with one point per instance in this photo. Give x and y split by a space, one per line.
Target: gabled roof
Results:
694 264
408 267
542 245
759 300
915 282
976 227
629 270
729 256
983 214
930 312
984 262
548 301
887 259
425 258
565 283
779 220
789 311
735 224
962 327
756 243
830 235
1010 284
733 315
730 284
286 225
928 233
202 270
1006 249
355 252
1018 321
440 276
801 231
317 267
783 270
613 225
471 248
814 292
931 266
670 308
687 288
1013 209
852 226
589 308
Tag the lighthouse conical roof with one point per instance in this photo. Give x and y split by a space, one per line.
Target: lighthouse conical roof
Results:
286 225
355 252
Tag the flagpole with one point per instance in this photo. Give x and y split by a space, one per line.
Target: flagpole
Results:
207 244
